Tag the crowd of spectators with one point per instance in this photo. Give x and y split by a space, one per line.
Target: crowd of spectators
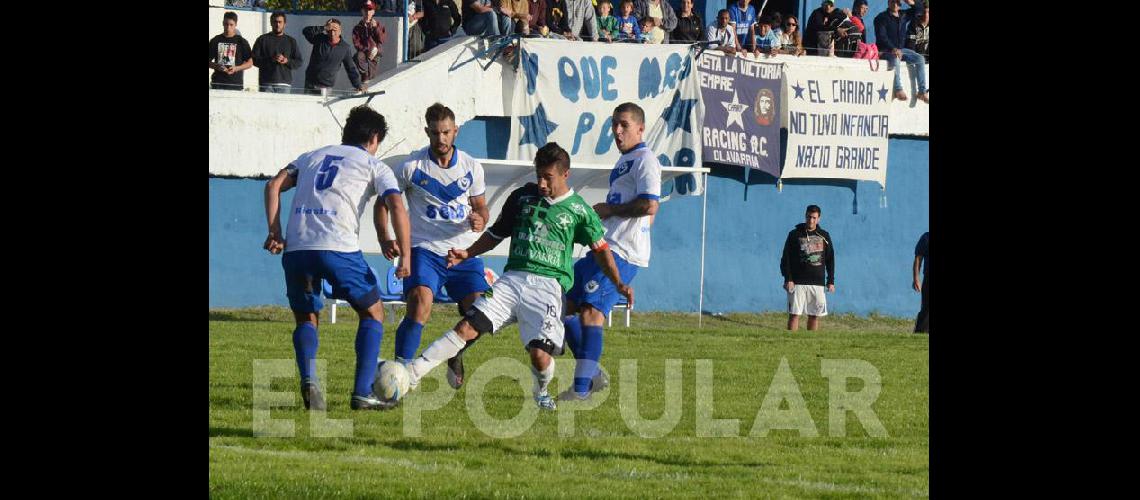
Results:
900 35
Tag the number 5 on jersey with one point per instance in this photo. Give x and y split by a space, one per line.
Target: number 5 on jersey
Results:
327 172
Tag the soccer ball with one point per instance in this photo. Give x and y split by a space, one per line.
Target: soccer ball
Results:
392 380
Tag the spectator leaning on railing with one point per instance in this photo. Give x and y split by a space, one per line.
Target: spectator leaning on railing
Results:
790 40
537 24
765 42
276 56
556 19
368 37
820 20
689 28
628 26
742 17
722 34
329 51
607 23
664 18
582 19
650 32
230 55
890 36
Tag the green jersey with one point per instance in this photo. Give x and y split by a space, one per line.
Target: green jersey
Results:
543 233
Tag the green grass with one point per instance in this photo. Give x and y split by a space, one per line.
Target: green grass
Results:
604 457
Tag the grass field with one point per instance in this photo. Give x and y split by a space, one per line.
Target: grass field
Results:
599 454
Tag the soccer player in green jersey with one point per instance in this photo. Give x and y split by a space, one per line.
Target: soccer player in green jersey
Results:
544 220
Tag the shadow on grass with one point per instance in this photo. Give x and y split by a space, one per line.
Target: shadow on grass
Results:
230 432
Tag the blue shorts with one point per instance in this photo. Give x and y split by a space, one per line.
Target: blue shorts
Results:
347 273
430 270
591 286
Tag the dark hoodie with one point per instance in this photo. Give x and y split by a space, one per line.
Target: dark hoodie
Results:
805 256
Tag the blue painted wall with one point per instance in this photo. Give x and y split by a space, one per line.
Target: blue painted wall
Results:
747 225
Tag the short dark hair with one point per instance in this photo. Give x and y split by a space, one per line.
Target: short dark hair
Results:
766 19
229 15
776 19
629 107
437 112
858 3
363 123
721 11
813 209
552 154
276 14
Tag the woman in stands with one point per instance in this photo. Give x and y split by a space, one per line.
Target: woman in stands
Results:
790 40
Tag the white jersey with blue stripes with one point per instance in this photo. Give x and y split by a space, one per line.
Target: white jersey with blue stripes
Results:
334 184
637 174
439 199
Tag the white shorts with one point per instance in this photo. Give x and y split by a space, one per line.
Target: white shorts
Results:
534 301
807 299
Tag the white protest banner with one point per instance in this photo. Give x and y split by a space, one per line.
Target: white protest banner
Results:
837 124
566 92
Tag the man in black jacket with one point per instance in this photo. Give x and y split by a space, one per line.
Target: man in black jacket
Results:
276 55
329 49
440 21
808 251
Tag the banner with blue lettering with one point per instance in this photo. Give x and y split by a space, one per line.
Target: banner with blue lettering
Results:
742 111
837 125
566 92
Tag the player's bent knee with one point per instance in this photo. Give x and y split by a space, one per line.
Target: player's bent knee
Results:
591 315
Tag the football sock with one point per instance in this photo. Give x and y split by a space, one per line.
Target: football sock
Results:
305 347
588 359
542 378
443 349
368 336
573 334
408 338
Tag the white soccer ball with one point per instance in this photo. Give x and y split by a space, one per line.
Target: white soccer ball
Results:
392 380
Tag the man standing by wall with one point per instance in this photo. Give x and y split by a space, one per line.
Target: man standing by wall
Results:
808 251
229 56
329 50
276 55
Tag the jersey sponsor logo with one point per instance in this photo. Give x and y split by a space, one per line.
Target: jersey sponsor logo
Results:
592 286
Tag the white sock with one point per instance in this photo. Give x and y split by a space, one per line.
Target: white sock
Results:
542 378
443 349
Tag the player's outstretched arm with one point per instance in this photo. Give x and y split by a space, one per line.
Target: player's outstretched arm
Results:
402 226
636 208
605 260
280 183
484 244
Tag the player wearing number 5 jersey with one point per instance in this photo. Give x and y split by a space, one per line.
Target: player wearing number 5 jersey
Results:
322 241
447 209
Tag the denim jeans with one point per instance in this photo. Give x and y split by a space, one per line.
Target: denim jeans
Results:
914 61
487 23
277 89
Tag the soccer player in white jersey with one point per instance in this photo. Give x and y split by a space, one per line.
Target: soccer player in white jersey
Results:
627 213
322 241
447 209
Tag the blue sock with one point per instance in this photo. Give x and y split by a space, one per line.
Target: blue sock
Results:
408 338
368 337
573 334
588 359
305 347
